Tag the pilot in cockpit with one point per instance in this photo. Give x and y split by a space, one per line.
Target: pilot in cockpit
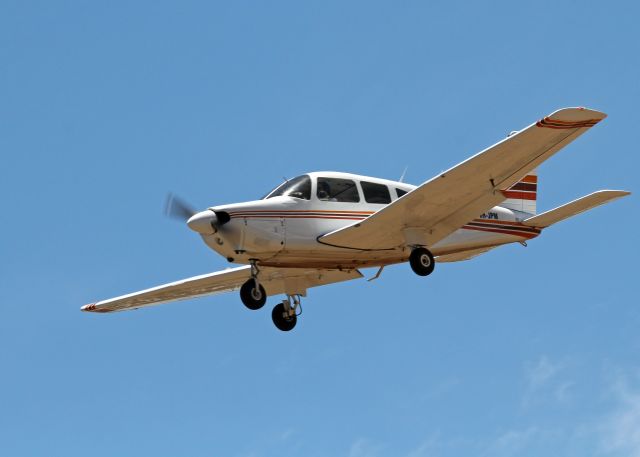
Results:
324 192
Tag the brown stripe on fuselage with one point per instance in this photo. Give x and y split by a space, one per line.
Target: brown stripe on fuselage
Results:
498 221
299 216
499 225
298 211
527 235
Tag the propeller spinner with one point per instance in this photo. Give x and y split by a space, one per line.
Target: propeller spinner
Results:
203 222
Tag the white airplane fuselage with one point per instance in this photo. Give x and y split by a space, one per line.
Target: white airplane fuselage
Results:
283 231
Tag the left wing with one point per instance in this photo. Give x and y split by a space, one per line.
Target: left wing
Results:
274 280
445 203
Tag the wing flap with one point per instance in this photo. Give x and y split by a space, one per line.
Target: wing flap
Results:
575 207
445 203
275 281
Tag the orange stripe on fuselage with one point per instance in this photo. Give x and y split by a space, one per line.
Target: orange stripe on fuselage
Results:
526 235
307 216
498 221
298 211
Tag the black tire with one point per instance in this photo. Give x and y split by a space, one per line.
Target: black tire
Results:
422 262
282 323
251 297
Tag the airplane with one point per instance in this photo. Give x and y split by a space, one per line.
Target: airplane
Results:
320 228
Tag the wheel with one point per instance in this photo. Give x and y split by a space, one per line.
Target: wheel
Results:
279 320
251 297
422 262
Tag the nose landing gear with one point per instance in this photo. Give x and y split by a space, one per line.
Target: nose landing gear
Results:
252 293
253 297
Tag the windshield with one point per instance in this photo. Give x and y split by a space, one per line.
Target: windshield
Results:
299 187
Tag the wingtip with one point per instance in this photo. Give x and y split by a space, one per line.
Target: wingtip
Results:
88 308
578 113
621 193
613 192
571 118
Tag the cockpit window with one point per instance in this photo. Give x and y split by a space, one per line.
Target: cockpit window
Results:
337 190
299 187
375 193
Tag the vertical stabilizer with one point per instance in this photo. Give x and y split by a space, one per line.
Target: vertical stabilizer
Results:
522 195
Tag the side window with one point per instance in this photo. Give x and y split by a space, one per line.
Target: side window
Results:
337 190
375 193
400 192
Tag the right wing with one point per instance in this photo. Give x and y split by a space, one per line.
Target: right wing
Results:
274 280
445 203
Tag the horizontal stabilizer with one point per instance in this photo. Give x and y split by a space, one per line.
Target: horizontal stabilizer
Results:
575 207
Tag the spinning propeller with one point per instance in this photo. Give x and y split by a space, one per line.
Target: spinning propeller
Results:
176 208
204 222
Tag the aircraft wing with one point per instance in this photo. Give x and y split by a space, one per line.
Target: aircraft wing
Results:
446 202
274 280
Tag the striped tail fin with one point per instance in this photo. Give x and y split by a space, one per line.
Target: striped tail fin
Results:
522 195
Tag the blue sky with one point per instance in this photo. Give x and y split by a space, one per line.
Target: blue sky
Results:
105 107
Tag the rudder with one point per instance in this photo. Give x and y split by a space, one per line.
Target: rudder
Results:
522 196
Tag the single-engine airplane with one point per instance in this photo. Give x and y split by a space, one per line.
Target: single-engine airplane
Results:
320 227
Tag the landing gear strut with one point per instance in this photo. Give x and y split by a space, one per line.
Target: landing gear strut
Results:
252 293
285 314
422 262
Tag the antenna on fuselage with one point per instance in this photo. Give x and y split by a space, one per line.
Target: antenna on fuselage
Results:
403 173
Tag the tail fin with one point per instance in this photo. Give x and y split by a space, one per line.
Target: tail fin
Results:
522 195
575 207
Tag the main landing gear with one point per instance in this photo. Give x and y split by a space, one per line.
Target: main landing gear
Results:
284 315
421 261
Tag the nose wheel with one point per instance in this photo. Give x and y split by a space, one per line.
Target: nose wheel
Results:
421 261
253 297
285 314
252 293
